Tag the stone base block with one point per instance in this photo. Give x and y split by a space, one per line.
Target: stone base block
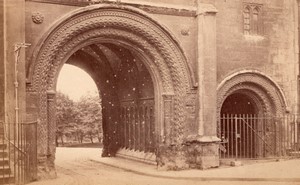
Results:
188 156
236 163
46 168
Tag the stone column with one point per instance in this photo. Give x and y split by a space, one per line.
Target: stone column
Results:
51 109
168 103
207 93
2 64
297 17
207 69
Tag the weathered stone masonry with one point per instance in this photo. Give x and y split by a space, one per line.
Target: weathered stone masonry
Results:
164 69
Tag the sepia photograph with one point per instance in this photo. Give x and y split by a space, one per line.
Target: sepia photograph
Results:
149 92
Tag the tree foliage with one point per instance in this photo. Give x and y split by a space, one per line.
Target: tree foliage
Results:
78 120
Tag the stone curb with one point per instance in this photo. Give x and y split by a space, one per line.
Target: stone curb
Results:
149 174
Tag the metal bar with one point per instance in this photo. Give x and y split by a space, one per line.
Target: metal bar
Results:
229 145
143 128
126 127
244 138
152 130
224 125
283 128
252 138
239 140
236 143
247 138
133 128
257 134
137 122
9 150
294 132
15 167
147 128
239 134
22 154
232 134
286 129
280 135
3 145
35 150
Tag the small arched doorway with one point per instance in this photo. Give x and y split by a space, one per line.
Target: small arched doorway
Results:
238 124
248 103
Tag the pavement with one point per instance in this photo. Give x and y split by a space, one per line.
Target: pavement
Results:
276 171
85 166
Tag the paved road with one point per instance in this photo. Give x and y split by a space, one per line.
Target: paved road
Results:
75 168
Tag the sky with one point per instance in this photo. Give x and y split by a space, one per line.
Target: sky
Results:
75 82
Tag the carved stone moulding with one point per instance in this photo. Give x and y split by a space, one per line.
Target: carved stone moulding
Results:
110 24
150 7
263 91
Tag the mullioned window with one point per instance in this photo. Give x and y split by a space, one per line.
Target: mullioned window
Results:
252 14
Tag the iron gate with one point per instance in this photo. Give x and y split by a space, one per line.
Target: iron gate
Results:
254 136
18 153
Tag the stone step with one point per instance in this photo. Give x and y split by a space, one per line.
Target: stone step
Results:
294 153
4 161
3 154
7 179
3 146
5 170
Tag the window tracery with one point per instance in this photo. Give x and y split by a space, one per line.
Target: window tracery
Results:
252 19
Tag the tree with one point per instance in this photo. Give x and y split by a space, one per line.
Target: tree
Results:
78 120
65 114
90 116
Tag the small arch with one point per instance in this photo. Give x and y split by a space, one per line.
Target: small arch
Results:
239 103
256 84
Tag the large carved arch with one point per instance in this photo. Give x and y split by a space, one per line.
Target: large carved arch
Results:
126 26
266 94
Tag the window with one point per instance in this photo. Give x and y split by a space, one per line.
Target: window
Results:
252 19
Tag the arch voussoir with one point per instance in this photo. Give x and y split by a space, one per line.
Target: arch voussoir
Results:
99 25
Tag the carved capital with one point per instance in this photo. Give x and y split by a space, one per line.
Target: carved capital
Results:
204 9
51 95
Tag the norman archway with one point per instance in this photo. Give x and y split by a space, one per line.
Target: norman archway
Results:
263 91
127 28
246 103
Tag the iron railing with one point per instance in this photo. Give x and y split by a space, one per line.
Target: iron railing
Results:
18 163
255 136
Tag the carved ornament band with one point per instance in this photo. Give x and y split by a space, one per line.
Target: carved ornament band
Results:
155 8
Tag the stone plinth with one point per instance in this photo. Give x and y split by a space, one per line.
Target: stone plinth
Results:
195 153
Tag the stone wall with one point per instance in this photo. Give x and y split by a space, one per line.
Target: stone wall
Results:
204 37
14 13
2 78
273 52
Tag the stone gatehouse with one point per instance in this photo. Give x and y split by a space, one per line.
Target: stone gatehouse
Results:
166 70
